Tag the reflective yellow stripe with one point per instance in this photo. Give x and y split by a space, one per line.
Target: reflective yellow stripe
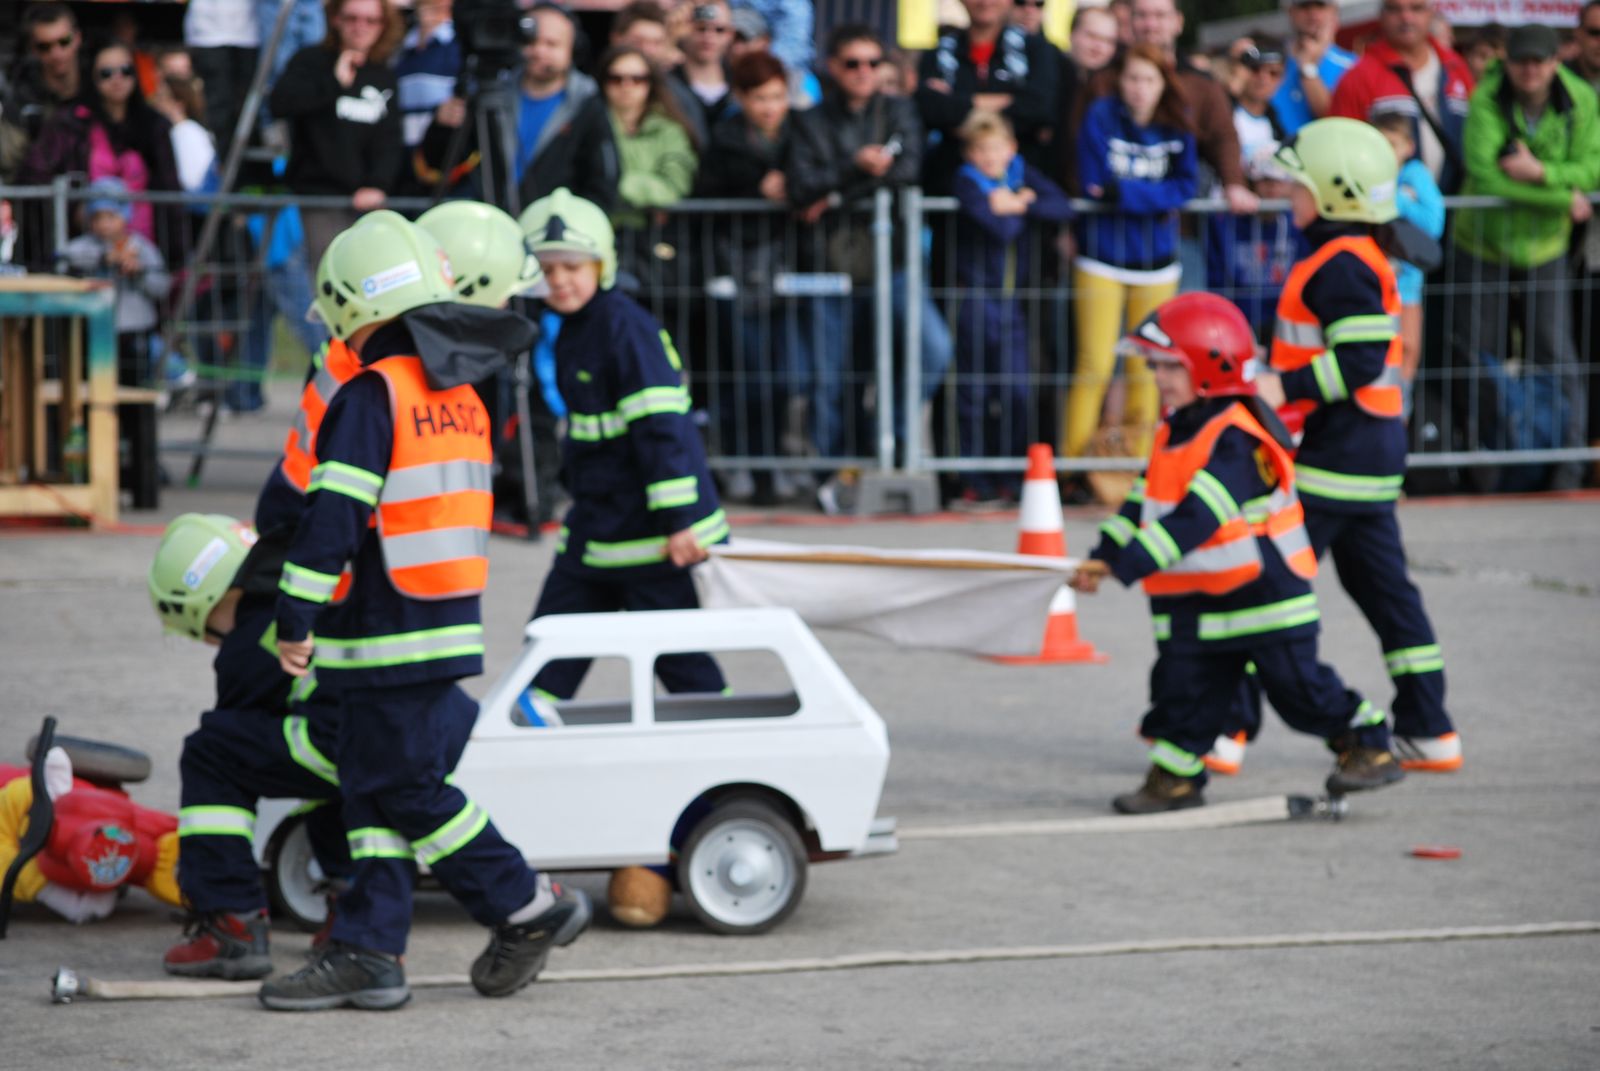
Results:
1367 714
1366 328
1162 623
1308 336
593 427
359 484
1208 489
1291 613
1175 760
667 494
452 836
1118 529
1218 559
1136 492
216 822
672 351
403 648
1161 547
1330 380
297 735
653 400
1321 483
307 584
1425 659
708 530
376 842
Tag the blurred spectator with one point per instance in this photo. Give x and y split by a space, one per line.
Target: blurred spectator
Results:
643 25
1440 29
748 158
125 31
991 67
855 142
112 249
1315 65
176 63
1249 257
1587 63
1136 154
1028 16
789 23
182 102
654 144
704 69
112 133
1228 68
224 41
1122 11
339 99
752 34
1407 72
1094 39
563 136
998 194
898 75
1094 44
307 25
426 72
1422 205
1533 137
47 75
1482 46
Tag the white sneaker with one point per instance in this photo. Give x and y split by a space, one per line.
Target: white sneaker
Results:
1227 755
1429 754
740 485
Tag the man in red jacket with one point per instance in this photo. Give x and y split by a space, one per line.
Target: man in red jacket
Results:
1406 71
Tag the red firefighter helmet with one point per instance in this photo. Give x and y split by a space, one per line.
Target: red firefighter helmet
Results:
97 856
1206 334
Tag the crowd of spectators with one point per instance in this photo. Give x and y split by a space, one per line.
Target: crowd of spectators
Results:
720 99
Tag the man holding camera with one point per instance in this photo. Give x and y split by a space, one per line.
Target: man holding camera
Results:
563 138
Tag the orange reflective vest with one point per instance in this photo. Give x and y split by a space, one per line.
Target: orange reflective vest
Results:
436 502
336 365
1300 338
1230 558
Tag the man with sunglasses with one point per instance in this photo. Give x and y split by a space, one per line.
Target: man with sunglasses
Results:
49 74
704 71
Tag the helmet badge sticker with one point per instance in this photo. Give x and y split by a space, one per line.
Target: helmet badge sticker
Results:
204 562
391 279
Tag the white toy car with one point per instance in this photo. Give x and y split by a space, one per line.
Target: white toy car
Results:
739 792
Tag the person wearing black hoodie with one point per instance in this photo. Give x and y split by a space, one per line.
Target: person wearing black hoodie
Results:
340 100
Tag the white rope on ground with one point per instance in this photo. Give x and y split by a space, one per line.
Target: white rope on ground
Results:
1212 816
178 989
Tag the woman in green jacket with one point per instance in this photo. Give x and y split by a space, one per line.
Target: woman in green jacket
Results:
657 150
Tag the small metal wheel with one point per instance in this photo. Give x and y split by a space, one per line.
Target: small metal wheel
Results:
294 878
98 762
743 868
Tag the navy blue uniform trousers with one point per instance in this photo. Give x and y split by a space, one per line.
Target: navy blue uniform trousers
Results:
241 754
396 747
568 592
1193 695
1371 560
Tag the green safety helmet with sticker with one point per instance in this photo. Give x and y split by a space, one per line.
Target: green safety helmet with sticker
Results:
563 222
199 555
1348 166
486 251
377 269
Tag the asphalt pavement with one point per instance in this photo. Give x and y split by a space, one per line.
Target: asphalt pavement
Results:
1513 587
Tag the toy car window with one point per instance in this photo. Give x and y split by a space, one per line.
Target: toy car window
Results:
758 686
603 697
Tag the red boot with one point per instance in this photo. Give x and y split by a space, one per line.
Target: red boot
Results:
221 945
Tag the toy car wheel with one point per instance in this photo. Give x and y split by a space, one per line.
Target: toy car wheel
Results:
98 762
743 868
294 878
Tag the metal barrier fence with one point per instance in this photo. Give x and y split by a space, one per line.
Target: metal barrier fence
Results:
796 336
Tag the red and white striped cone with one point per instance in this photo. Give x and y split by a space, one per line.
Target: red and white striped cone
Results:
1040 532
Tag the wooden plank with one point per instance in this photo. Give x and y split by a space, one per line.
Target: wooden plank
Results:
46 500
104 471
46 284
39 461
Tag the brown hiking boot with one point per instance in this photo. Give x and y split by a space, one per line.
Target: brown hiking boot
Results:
1161 791
221 945
1359 769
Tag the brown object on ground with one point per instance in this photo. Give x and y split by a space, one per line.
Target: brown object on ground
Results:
638 896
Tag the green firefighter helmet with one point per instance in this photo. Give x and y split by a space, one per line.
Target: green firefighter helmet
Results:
199 555
563 222
1348 166
377 269
486 250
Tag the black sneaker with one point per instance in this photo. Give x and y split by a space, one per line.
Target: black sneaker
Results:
517 950
1162 791
1359 769
342 976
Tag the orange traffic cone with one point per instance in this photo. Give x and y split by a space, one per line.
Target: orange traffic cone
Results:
1041 532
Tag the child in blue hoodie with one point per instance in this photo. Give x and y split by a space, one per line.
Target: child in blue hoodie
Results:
1136 154
998 193
1421 204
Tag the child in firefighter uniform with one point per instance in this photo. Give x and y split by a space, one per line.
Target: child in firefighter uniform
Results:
1213 531
644 508
380 594
262 738
1337 352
